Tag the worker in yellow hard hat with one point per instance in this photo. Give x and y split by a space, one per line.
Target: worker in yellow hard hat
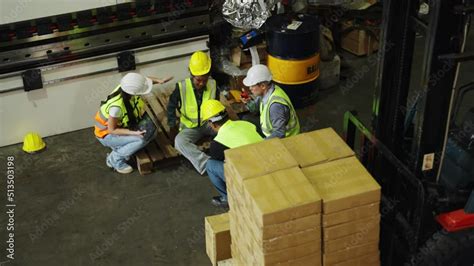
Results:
121 122
32 142
187 98
230 134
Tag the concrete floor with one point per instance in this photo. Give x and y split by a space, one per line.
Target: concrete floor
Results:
72 210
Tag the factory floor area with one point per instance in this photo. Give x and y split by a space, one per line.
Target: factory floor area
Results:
72 210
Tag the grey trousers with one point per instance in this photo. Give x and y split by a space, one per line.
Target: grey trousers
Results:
185 144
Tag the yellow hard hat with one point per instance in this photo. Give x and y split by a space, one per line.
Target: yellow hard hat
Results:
211 108
199 64
32 142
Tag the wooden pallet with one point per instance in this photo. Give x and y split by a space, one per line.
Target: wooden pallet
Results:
160 151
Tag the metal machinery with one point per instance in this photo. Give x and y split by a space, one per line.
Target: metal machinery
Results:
418 148
71 61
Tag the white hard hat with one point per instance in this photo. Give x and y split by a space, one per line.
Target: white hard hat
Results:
257 74
136 84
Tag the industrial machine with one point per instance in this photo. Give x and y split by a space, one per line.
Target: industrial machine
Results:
419 146
71 61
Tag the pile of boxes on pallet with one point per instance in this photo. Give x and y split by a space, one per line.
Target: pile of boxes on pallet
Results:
304 200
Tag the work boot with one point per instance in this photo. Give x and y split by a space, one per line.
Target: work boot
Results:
219 201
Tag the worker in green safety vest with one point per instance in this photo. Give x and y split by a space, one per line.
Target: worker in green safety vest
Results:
187 99
121 122
278 118
230 134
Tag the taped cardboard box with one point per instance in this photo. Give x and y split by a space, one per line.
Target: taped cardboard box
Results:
351 253
258 159
350 215
357 239
343 184
218 238
281 196
317 147
366 260
341 230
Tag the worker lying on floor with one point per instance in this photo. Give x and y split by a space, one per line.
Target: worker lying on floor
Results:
121 122
230 134
278 118
187 98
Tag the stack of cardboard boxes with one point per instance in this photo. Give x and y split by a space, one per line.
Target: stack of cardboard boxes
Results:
351 216
273 218
304 200
217 237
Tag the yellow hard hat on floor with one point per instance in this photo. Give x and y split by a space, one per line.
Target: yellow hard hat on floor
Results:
211 108
32 142
199 64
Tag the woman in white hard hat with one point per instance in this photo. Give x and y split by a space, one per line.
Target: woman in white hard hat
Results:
121 122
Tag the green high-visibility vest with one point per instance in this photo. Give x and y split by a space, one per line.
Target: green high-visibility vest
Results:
278 96
189 109
135 101
234 134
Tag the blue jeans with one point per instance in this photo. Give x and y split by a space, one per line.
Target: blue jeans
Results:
215 170
124 146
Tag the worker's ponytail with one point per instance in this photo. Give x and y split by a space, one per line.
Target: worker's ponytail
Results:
132 120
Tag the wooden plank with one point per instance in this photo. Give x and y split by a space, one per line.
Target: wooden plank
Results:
155 153
157 113
144 163
165 146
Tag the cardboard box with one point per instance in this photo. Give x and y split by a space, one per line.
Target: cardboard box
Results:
243 58
366 260
357 239
281 196
218 239
349 215
292 226
313 260
258 159
293 253
358 41
317 147
343 184
351 253
359 226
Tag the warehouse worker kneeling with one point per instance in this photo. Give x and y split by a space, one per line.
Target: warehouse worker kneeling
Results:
278 118
121 122
230 134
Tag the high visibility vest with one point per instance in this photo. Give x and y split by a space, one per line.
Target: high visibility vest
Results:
234 134
278 96
102 116
189 111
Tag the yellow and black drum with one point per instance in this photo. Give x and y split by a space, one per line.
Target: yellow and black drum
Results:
293 55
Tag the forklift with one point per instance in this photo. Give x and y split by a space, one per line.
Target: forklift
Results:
420 143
